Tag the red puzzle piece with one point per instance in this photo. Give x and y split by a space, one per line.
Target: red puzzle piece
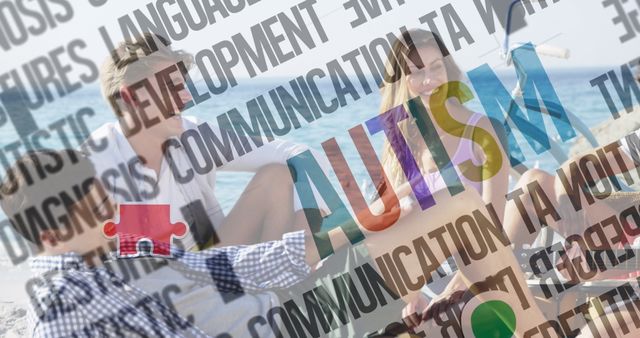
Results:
144 222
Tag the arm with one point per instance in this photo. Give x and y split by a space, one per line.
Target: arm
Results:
280 264
623 155
269 265
263 266
416 308
47 321
624 152
495 188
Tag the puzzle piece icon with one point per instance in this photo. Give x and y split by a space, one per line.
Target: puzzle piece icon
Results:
144 223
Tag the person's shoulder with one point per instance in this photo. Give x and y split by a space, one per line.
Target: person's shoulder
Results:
100 143
191 122
53 288
104 133
54 305
106 130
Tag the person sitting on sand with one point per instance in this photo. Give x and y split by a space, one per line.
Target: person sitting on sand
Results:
77 294
429 71
144 83
431 75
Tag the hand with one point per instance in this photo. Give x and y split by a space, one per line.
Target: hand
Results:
407 206
419 309
450 295
442 303
412 312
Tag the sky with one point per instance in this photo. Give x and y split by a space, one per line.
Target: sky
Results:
585 27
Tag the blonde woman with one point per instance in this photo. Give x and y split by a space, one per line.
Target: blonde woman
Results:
431 74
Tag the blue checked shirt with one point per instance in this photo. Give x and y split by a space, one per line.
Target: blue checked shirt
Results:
71 299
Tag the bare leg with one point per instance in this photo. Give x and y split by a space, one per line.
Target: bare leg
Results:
514 225
420 224
264 211
570 224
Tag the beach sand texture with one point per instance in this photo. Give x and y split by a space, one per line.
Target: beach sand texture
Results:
14 300
610 131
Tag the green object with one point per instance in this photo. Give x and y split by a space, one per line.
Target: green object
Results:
493 319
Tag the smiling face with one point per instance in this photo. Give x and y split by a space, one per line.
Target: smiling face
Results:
143 82
425 82
157 99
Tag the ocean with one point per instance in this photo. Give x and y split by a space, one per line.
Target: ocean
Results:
572 85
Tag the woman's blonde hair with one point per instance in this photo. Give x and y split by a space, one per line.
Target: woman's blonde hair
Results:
395 91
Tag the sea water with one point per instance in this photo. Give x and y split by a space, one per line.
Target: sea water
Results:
572 86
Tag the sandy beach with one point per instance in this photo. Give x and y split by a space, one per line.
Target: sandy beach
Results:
610 130
14 300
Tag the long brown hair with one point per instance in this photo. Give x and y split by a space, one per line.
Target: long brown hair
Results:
395 92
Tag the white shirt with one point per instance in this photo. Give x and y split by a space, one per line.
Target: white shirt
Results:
189 300
119 152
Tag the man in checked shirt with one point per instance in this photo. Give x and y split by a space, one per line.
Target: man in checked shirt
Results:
54 200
